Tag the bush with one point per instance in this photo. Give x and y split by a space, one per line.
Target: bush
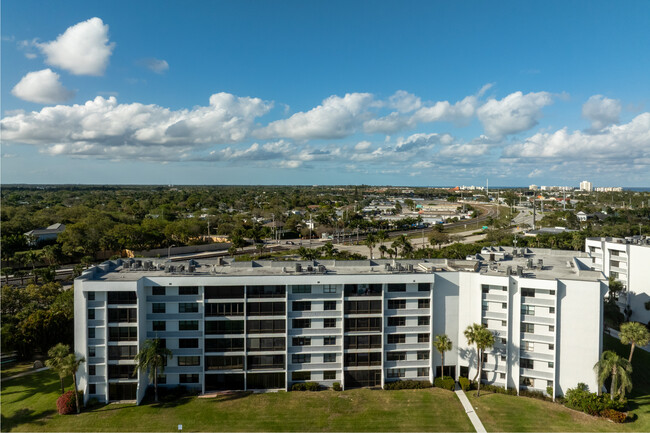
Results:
445 383
66 405
464 383
407 384
498 389
336 386
312 386
549 391
305 386
614 415
534 394
581 399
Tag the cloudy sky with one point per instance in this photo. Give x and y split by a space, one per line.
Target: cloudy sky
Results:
330 92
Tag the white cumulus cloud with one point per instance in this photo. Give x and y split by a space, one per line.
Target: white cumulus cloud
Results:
601 111
404 101
336 117
103 127
42 87
83 49
514 113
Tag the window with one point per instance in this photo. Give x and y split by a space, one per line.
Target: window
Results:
92 388
224 362
396 338
329 288
551 328
528 346
527 363
503 341
424 303
122 315
551 347
528 327
91 332
362 307
503 358
423 371
301 341
188 343
424 321
363 324
423 338
395 372
396 356
188 325
329 305
188 290
301 289
116 353
191 307
614 252
397 304
551 310
301 306
122 333
158 307
615 263
91 314
276 326
552 292
504 306
362 359
613 274
188 361
224 309
301 323
301 375
329 323
122 298
120 371
423 355
301 358
528 309
158 291
363 342
329 341
504 323
502 375
528 292
485 288
551 365
91 296
224 345
396 321
396 287
265 343
329 357
485 306
265 308
257 362
424 287
224 292
159 325
329 375
162 379
188 378
91 351
92 370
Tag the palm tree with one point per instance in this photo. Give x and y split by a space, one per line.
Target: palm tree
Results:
484 339
443 344
634 333
51 254
56 361
32 257
383 250
381 236
153 356
70 365
371 241
616 367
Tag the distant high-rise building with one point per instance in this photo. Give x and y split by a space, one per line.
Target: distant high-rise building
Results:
585 185
533 187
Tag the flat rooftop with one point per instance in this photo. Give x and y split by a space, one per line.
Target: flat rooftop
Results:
500 261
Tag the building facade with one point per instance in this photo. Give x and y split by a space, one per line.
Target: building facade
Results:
626 260
268 325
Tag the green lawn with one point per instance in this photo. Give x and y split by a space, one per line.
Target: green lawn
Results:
28 404
14 368
500 412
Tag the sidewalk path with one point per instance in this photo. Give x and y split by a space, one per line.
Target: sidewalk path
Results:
476 422
25 373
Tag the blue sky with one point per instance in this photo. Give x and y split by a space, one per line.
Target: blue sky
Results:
332 92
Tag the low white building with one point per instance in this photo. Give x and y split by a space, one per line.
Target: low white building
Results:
268 325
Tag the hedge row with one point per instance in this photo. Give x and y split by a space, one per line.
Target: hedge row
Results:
407 384
305 386
447 383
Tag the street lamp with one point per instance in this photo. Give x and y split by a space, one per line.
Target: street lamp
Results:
169 250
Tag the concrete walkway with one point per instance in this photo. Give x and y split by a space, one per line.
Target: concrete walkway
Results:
476 422
25 373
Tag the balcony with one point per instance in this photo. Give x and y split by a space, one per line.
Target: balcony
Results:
537 337
544 302
540 320
487 314
495 298
527 372
548 357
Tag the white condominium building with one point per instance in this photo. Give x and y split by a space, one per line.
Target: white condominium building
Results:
267 325
585 185
627 260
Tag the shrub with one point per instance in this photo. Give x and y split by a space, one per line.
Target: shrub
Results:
464 383
65 404
581 399
534 394
336 386
445 383
407 384
498 389
614 415
312 386
549 391
300 386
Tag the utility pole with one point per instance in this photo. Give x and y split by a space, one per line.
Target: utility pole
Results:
534 213
310 226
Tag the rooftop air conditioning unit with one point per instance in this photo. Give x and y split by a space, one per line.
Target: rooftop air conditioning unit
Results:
298 267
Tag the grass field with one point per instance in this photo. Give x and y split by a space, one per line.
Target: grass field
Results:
28 404
14 368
